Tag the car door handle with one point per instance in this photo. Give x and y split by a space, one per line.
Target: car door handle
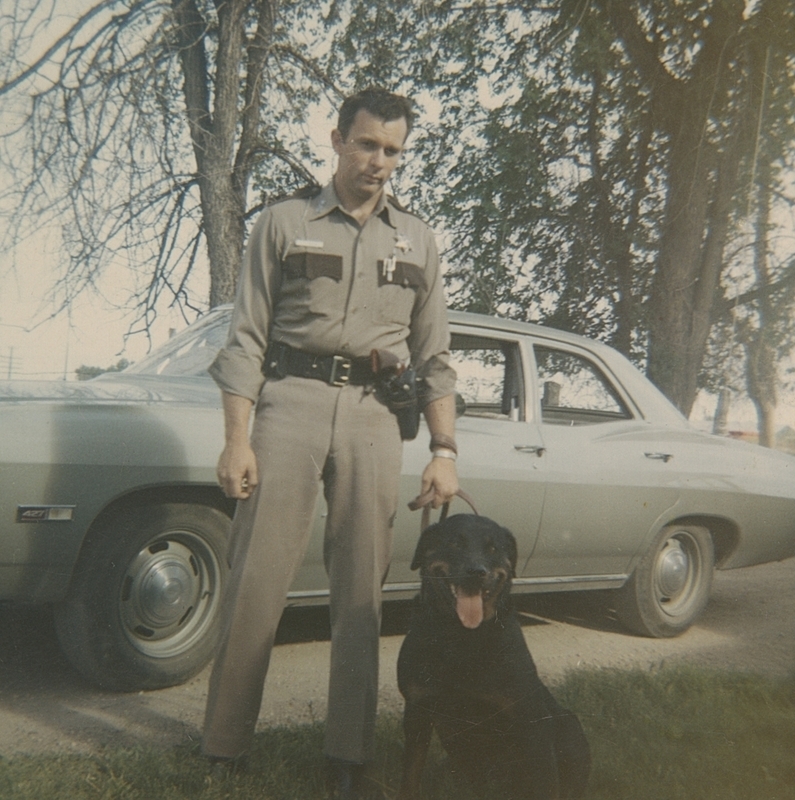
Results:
664 457
538 449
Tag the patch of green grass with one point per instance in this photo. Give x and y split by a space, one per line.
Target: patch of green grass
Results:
686 734
672 734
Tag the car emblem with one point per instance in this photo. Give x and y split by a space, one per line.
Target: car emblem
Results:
45 513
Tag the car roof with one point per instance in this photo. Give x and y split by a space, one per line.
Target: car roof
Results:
522 328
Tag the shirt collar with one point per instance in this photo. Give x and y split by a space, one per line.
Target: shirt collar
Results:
327 201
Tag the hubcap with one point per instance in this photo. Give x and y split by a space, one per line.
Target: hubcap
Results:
677 573
673 568
170 594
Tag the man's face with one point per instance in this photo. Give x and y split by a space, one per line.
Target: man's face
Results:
368 155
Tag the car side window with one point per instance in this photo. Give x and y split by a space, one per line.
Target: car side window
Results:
574 391
489 376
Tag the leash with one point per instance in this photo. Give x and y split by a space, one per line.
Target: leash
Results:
423 501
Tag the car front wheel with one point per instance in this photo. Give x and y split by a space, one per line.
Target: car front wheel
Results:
670 586
143 610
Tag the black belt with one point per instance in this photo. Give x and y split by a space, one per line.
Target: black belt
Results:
282 360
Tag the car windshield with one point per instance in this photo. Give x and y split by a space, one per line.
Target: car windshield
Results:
190 352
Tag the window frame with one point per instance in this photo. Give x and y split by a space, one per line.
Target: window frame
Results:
506 342
602 369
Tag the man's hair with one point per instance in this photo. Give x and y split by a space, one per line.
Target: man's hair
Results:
378 102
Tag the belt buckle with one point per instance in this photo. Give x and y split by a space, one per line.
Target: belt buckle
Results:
340 371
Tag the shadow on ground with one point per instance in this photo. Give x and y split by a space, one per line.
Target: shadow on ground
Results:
30 655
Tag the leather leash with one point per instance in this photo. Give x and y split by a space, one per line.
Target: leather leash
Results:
423 501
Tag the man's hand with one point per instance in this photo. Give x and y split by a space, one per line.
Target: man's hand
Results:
237 466
441 477
237 471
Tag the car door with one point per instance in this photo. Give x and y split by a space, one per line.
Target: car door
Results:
499 463
605 486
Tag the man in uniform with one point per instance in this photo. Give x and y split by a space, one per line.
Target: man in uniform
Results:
329 276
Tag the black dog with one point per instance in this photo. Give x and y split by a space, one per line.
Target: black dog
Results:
465 670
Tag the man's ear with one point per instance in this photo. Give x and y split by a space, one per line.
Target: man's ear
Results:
337 141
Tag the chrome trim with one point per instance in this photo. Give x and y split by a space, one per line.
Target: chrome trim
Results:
558 581
390 588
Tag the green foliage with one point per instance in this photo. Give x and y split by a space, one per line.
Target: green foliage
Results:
588 164
86 373
593 165
673 734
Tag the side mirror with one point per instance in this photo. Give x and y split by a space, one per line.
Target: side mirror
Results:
460 405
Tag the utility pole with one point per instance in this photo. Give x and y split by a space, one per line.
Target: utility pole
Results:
7 364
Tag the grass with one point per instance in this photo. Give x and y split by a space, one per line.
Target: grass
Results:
674 733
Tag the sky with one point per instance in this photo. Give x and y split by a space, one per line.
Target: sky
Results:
36 345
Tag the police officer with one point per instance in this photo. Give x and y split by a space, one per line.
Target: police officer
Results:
329 275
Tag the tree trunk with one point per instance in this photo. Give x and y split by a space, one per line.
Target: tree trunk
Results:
224 226
224 172
673 355
720 425
761 368
693 230
761 377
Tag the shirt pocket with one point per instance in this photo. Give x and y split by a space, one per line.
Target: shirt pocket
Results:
309 266
398 289
308 278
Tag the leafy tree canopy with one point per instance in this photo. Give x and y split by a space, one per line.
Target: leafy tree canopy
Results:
593 165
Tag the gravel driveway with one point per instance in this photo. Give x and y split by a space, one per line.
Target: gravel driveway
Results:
44 707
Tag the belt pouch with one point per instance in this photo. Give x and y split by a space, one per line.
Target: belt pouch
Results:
400 395
275 363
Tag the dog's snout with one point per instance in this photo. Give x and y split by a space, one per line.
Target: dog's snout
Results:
477 571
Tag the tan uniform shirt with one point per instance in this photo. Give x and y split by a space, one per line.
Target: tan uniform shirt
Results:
316 280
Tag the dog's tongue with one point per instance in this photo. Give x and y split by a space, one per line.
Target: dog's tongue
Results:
469 608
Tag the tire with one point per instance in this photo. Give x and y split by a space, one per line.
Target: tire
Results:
670 586
143 609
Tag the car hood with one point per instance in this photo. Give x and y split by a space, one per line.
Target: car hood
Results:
133 388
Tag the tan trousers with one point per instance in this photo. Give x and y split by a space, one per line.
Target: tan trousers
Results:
306 432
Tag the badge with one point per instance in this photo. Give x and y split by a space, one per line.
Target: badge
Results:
402 243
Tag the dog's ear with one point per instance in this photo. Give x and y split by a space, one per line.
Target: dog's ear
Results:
429 540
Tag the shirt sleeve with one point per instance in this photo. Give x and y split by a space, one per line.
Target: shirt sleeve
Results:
429 339
237 369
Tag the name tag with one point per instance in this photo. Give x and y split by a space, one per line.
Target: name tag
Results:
308 243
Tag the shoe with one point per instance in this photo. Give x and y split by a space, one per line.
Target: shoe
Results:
346 780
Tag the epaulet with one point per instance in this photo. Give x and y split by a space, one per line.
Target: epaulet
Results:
393 201
304 193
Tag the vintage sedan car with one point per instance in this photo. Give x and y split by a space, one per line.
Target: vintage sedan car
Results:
110 510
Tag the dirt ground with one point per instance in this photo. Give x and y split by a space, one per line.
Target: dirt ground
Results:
46 708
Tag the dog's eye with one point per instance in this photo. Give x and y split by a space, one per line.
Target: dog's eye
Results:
490 548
